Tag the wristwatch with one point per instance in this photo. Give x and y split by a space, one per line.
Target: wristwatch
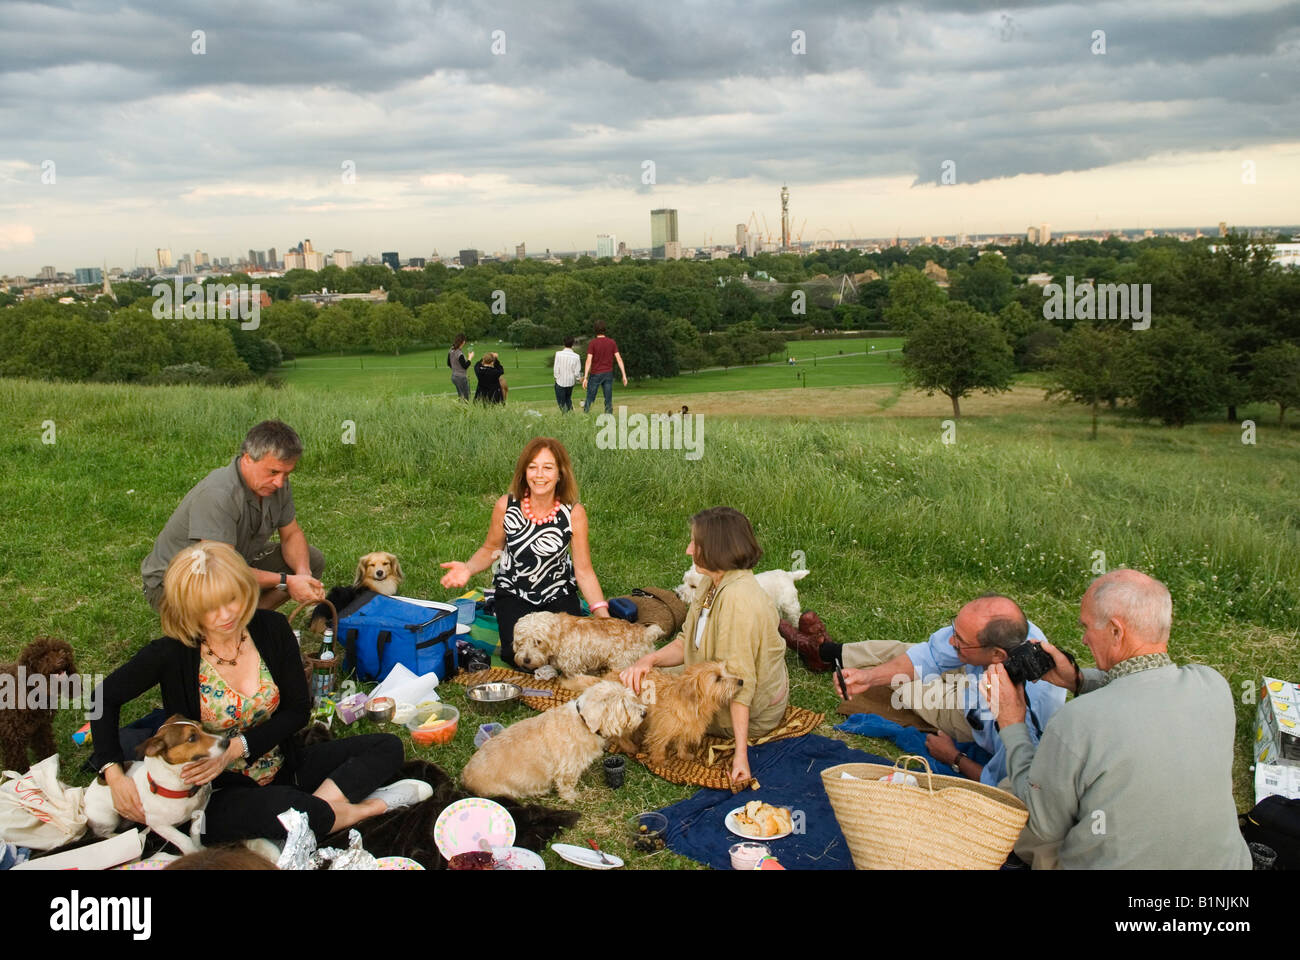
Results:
956 764
100 775
284 582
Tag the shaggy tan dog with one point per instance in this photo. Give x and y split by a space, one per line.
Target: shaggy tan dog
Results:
681 706
570 645
556 747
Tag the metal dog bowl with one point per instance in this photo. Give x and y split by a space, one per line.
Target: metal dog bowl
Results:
494 697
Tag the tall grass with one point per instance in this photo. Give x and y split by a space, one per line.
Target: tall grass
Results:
898 528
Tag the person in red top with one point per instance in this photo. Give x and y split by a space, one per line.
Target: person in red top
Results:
601 354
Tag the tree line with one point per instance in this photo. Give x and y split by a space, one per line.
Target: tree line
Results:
1223 330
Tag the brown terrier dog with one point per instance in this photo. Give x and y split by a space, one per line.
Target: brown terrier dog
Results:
681 707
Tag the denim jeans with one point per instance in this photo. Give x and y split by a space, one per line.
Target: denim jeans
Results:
603 381
564 397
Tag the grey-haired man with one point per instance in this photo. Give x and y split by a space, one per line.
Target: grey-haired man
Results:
242 504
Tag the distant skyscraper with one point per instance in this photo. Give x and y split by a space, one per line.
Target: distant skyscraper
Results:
164 256
261 260
1223 228
306 246
740 235
622 249
390 258
86 275
519 251
185 264
1031 234
342 259
1044 235
469 258
293 260
200 258
672 250
313 259
47 273
663 228
604 245
416 262
252 256
271 260
785 217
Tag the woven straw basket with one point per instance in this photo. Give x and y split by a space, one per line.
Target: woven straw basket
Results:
948 823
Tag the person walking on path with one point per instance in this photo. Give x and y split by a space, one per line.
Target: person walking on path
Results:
602 351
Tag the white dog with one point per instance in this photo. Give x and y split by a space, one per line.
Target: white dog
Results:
526 758
167 799
560 643
777 584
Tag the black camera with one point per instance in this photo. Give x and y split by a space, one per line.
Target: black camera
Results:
471 658
1027 662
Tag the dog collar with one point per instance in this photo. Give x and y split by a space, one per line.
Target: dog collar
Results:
172 794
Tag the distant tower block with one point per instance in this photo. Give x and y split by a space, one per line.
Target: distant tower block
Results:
785 217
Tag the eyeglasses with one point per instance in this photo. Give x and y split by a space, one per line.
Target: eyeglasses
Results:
962 644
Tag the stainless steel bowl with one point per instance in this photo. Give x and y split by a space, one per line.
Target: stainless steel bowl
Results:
380 709
494 697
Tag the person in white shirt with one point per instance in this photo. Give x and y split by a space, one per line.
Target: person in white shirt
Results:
568 365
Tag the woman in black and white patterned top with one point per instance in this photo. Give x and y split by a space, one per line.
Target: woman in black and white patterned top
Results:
535 527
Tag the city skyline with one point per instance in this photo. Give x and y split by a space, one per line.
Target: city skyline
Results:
420 134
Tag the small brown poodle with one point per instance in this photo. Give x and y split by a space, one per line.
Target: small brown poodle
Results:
21 727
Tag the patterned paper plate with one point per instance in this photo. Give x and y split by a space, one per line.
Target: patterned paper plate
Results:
466 824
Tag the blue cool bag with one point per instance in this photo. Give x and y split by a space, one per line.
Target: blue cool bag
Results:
385 631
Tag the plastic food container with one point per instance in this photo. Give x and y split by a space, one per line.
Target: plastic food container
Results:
746 856
648 830
433 723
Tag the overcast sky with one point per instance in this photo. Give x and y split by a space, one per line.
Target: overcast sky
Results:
454 145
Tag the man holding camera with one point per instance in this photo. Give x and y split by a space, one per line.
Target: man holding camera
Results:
1136 771
942 677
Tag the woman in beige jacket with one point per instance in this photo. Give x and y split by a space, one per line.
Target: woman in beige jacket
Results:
734 621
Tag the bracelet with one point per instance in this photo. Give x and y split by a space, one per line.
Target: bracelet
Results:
596 606
244 740
100 774
956 764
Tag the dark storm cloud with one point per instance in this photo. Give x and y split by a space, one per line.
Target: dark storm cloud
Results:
585 92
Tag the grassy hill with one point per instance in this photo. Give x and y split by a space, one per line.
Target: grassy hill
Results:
898 528
822 363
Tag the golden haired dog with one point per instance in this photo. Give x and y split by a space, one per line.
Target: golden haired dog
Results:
680 708
525 759
561 644
379 572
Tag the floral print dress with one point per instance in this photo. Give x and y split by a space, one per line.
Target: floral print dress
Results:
224 711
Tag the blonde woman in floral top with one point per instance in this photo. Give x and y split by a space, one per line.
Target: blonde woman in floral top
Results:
734 622
237 670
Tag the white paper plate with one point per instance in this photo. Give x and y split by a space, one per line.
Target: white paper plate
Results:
465 824
462 629
734 826
518 858
585 856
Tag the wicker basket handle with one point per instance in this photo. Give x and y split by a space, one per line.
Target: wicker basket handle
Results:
902 763
303 606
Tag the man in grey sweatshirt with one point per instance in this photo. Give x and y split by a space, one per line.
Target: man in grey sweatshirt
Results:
1136 771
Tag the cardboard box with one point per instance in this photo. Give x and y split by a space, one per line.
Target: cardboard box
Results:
1277 730
1275 779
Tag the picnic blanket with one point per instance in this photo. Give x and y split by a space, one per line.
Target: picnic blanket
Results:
790 774
711 765
908 739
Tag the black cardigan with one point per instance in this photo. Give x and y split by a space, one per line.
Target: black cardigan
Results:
171 665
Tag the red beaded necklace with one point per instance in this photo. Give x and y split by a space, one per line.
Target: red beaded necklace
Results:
526 506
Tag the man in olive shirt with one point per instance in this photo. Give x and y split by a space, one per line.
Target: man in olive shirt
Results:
242 504
1136 771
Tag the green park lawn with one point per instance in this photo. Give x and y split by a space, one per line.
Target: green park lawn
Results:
897 528
819 363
